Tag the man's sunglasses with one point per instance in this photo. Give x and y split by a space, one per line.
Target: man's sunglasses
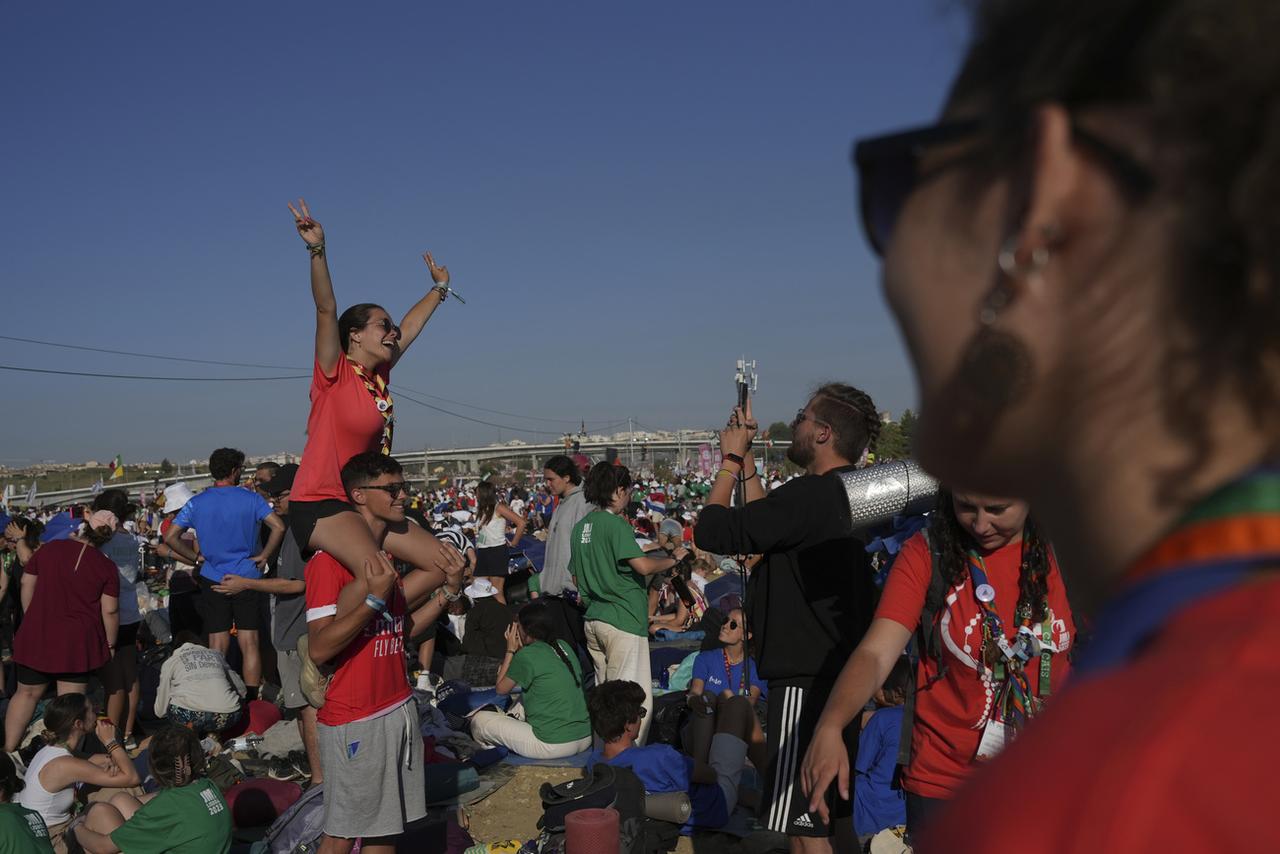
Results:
802 416
889 169
391 489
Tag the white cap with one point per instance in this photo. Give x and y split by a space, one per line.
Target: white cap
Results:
176 495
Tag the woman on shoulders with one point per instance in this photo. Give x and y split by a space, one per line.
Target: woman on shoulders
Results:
352 412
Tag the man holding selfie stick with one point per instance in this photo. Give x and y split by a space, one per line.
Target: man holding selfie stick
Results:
810 599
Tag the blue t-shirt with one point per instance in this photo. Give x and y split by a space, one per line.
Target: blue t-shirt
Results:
226 520
876 805
709 667
661 768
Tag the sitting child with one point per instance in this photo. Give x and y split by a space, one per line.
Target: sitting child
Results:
877 805
616 709
187 816
198 689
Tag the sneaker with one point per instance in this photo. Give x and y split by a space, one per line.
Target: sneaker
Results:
130 743
282 769
18 764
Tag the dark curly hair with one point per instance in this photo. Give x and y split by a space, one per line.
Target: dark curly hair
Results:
1198 79
953 543
852 415
612 705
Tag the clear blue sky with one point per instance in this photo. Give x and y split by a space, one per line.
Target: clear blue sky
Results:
629 199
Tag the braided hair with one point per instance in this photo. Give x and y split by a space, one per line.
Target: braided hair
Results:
177 757
852 415
953 544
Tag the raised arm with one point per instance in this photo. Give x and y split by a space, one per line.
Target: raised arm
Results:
328 348
417 317
515 519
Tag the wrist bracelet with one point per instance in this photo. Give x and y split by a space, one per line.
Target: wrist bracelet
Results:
316 249
735 458
378 605
111 745
451 597
731 474
444 291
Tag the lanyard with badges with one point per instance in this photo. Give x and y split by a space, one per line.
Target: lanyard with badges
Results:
1224 541
728 672
377 388
1002 664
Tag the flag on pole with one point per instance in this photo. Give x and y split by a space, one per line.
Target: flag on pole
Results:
96 488
117 468
8 496
31 495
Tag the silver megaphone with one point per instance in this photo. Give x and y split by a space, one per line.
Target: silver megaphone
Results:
878 493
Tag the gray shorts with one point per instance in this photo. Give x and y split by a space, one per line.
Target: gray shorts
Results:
373 776
290 667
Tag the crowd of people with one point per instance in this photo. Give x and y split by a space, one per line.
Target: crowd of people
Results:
1101 366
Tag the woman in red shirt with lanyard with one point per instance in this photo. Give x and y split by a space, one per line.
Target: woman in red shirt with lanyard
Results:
352 412
991 655
1084 257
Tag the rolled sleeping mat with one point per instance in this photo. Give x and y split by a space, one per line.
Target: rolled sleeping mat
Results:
668 806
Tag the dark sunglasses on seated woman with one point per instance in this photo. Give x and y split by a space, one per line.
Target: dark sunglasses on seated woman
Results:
889 169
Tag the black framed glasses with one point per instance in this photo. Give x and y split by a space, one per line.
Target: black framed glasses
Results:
889 170
391 489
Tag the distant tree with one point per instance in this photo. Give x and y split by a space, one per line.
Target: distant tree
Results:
166 467
780 431
907 424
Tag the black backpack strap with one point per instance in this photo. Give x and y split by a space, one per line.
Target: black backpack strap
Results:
925 642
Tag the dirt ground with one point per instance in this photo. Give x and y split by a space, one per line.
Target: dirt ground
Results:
513 811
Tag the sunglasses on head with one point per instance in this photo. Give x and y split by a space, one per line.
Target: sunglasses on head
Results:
889 169
391 489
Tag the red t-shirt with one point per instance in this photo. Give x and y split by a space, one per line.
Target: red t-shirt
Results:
950 713
344 421
1172 751
62 631
370 677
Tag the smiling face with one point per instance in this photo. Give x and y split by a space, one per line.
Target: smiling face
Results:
992 522
385 497
376 342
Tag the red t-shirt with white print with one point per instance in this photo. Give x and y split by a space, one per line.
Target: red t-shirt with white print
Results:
370 676
952 712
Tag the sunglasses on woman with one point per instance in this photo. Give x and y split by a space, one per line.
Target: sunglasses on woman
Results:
889 169
386 324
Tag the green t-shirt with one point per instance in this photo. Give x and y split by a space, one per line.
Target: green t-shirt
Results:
22 831
553 702
193 819
614 593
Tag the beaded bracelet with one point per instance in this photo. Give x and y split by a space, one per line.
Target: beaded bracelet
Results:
316 249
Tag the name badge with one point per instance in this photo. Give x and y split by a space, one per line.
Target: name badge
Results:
994 738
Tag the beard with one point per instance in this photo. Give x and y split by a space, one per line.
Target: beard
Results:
801 453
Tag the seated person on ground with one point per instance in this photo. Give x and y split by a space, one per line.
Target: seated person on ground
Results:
55 772
616 709
674 605
198 689
877 803
717 676
484 643
188 815
22 830
554 708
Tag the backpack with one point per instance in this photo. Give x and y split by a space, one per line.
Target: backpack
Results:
299 829
605 786
926 642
